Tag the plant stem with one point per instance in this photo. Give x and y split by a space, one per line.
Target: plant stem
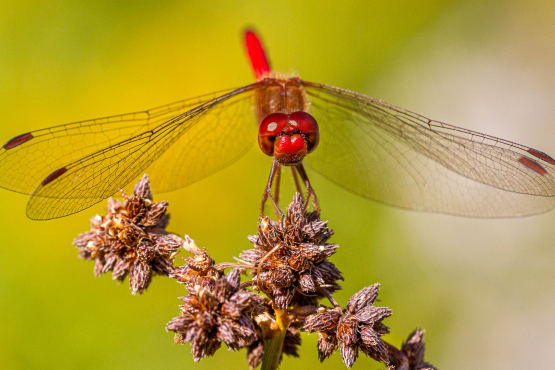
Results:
274 345
402 360
331 299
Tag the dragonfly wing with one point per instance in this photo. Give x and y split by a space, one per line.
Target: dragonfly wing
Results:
226 133
88 180
397 157
28 159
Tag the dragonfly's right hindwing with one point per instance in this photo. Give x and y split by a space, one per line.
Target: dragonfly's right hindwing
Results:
70 167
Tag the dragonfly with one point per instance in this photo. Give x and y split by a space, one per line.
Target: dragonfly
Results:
365 145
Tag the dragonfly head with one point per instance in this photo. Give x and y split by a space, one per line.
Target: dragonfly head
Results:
288 137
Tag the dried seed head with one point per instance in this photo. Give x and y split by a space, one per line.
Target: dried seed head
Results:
413 349
291 257
131 239
197 270
326 345
358 328
222 313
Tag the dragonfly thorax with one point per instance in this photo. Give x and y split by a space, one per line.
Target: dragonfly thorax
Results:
277 95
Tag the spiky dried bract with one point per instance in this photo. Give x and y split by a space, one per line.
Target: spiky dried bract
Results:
292 257
131 239
197 270
360 327
291 344
414 349
212 315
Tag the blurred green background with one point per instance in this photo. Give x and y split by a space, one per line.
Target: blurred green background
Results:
483 289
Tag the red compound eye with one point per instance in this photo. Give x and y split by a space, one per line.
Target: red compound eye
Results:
269 130
308 126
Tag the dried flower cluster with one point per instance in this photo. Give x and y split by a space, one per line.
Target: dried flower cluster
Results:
413 351
200 274
360 327
197 270
224 313
291 258
131 239
288 264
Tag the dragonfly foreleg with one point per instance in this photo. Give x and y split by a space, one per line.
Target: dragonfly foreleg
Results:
310 190
274 173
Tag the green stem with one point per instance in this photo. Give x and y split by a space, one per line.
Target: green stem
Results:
274 345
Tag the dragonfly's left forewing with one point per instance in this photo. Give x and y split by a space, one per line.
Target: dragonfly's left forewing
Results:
400 158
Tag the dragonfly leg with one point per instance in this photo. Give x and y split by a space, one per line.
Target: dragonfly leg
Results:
274 173
309 188
297 183
125 199
277 182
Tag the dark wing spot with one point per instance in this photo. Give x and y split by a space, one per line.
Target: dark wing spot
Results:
53 176
541 155
18 140
533 165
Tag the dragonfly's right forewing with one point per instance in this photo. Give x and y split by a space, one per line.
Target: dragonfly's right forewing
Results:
97 157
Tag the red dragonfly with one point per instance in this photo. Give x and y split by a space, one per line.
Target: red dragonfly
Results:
365 145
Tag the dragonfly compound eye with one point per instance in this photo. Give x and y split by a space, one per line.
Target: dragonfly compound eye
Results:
307 125
269 130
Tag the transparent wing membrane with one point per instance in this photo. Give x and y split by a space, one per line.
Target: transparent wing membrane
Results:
394 156
24 166
369 147
224 134
78 165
